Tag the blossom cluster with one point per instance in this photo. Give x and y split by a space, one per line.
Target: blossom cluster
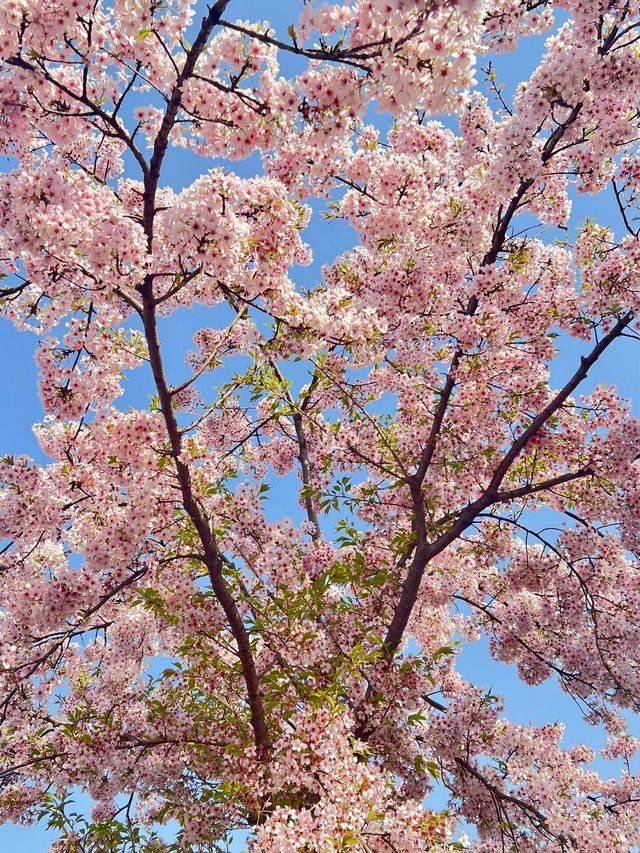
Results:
238 602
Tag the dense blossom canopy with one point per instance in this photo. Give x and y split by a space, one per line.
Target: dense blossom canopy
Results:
181 636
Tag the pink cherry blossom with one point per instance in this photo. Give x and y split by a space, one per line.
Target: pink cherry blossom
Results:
239 605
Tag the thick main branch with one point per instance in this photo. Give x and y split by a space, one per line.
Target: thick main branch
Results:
425 552
195 511
201 522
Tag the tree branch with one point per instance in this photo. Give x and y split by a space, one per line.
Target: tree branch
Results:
426 552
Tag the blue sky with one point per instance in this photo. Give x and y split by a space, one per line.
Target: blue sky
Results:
18 386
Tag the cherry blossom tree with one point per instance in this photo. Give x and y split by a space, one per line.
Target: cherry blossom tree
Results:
188 641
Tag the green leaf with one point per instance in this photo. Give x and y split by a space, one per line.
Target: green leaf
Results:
433 769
